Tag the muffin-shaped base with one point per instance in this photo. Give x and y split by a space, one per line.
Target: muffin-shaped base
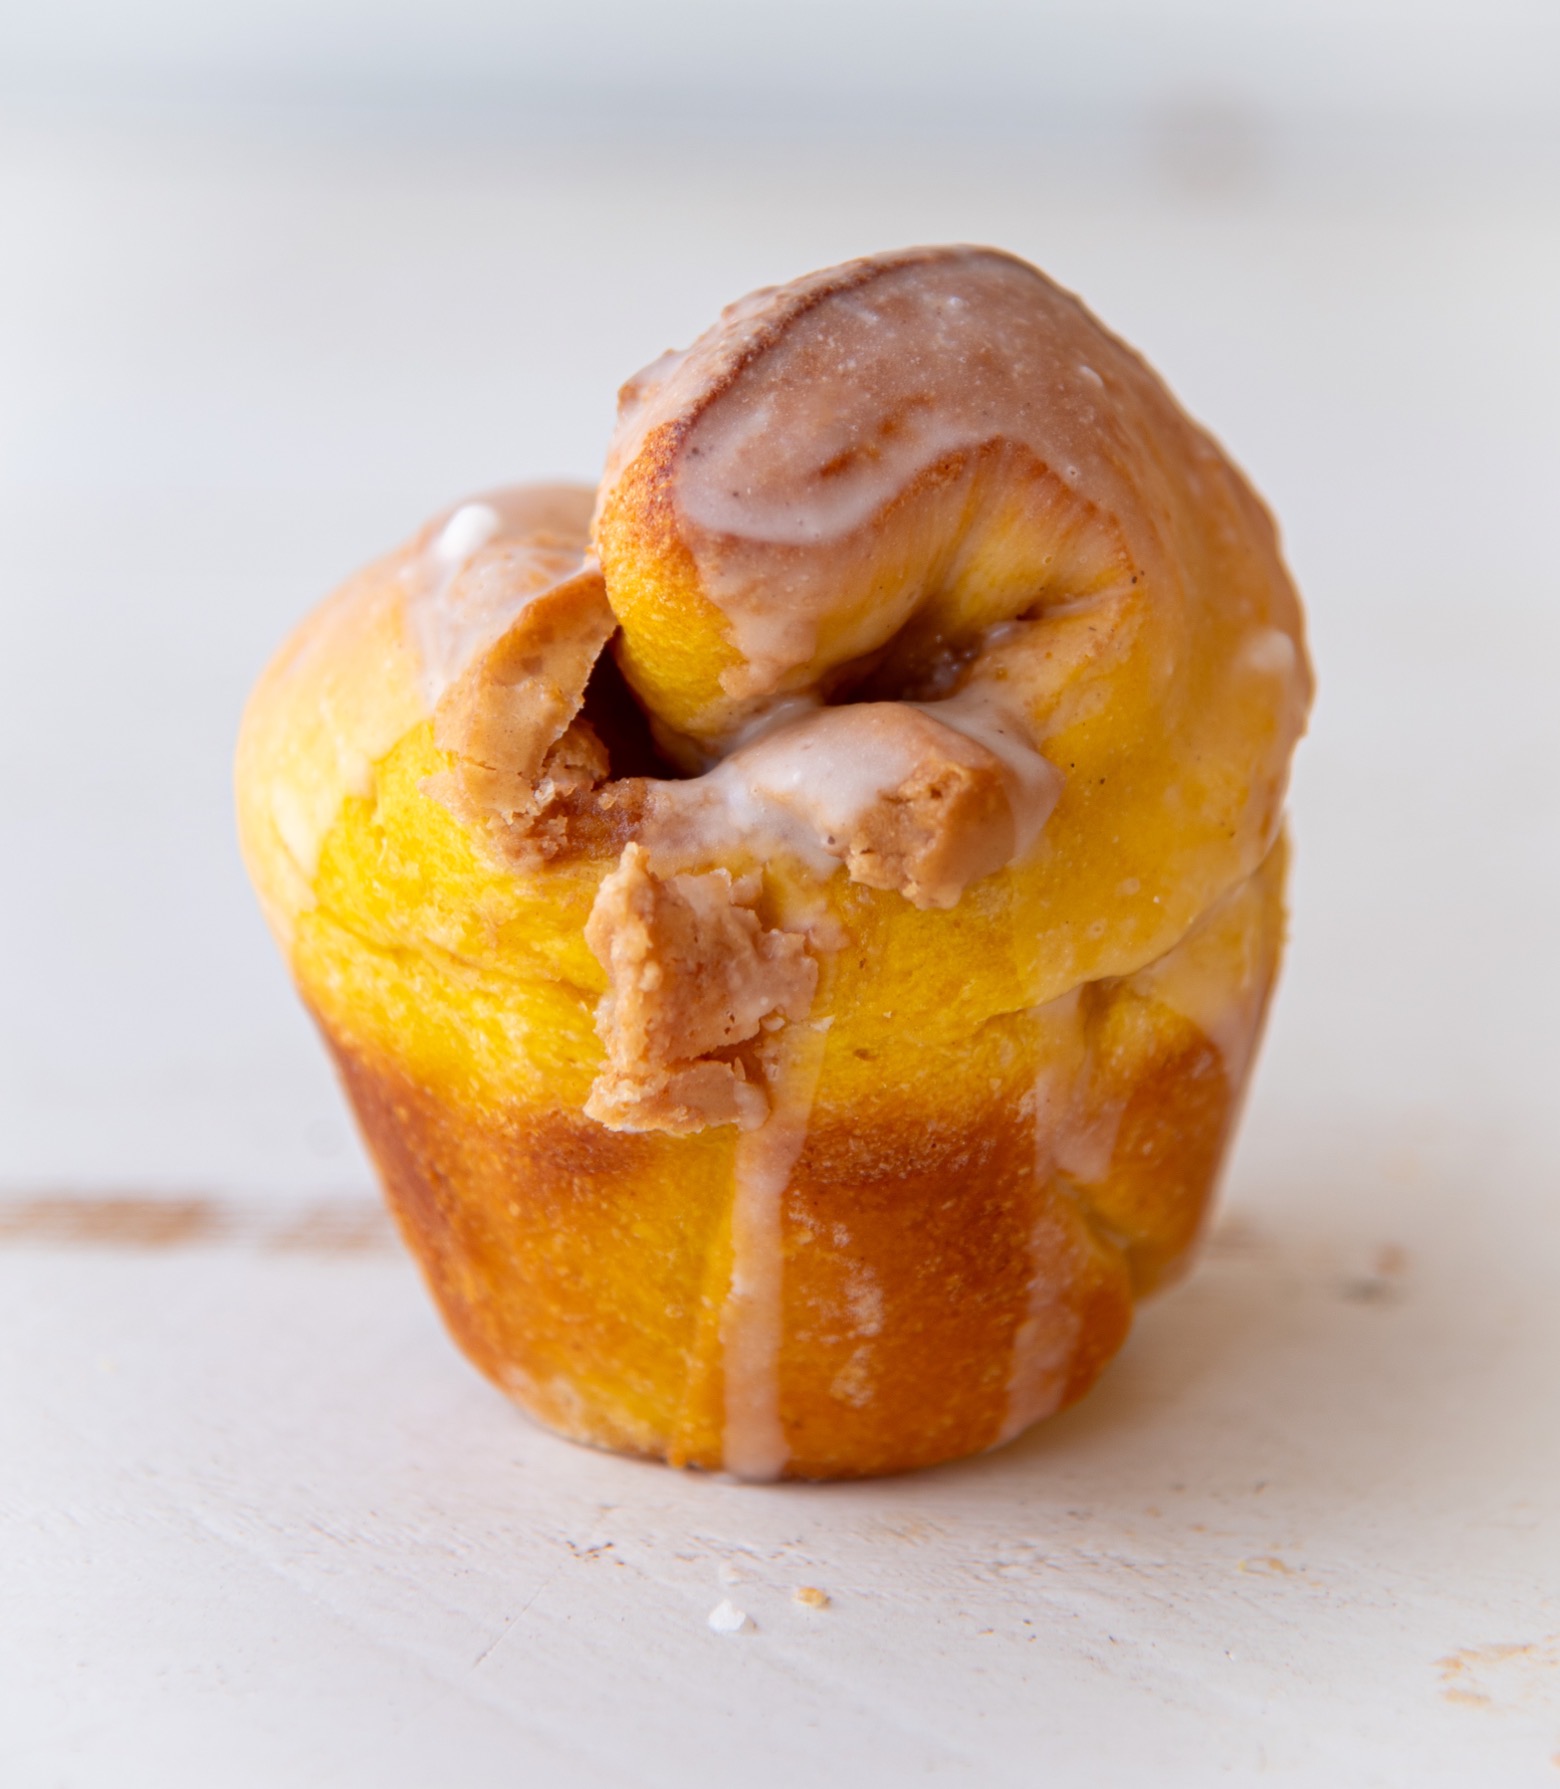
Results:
953 1252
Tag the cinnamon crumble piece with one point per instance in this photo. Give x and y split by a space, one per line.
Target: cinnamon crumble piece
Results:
511 719
949 822
692 974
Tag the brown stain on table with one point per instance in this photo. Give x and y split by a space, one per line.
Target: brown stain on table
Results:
1499 1675
140 1222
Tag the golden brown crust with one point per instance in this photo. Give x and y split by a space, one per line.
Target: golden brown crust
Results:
953 1266
908 1249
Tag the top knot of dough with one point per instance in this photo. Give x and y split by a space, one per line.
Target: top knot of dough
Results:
888 556
852 479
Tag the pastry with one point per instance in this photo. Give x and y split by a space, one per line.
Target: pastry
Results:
794 922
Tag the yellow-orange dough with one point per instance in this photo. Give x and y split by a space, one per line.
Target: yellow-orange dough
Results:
795 923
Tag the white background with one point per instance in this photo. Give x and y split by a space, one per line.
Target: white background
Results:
276 282
1382 60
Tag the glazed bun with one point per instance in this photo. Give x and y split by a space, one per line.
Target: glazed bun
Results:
795 922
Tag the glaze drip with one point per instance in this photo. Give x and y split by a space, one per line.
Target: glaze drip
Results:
752 1324
1047 1331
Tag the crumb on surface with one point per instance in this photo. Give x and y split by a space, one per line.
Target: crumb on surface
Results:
810 1596
727 1618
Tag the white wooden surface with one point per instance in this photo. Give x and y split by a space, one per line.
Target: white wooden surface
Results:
262 1525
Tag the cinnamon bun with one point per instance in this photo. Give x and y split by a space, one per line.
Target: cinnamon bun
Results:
794 922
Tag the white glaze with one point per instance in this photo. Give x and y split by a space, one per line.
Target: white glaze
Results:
1076 1134
831 766
1045 1336
301 824
1194 980
954 351
488 560
753 1439
804 786
853 383
1084 1149
472 526
1271 652
1045 1339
